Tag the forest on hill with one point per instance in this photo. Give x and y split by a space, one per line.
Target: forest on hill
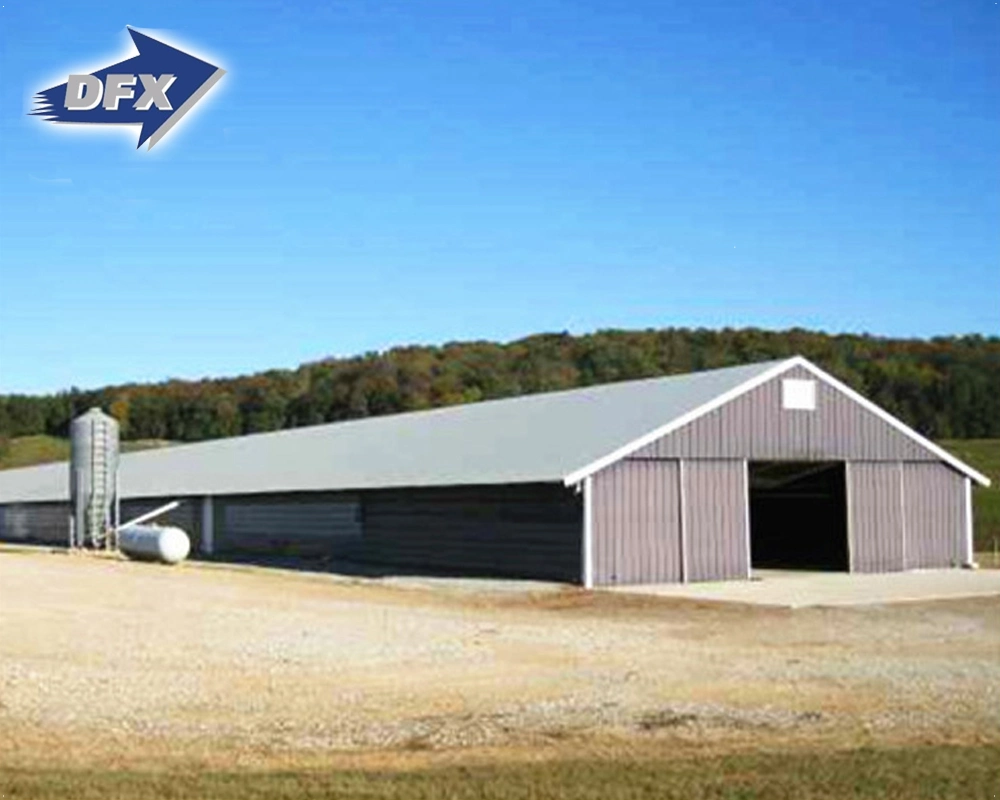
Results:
947 387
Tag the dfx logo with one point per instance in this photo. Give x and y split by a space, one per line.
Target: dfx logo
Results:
154 89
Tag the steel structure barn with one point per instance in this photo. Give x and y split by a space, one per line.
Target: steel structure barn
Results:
684 478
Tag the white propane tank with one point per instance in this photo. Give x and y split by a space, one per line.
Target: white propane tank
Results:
154 543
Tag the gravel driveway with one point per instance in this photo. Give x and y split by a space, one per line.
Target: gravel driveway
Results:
96 652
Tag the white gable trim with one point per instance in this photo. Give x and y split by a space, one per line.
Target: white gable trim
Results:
679 422
886 417
798 361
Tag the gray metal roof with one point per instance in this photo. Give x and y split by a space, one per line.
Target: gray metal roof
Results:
541 437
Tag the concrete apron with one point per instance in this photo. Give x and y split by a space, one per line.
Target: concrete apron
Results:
801 589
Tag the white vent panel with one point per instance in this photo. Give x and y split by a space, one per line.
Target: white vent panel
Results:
798 395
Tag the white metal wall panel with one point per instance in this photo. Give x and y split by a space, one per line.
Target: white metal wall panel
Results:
636 523
875 516
935 515
715 520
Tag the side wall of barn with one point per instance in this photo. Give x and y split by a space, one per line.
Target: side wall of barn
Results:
520 530
35 523
517 530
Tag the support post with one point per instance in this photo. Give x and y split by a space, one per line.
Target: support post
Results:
207 525
588 533
970 556
118 508
746 511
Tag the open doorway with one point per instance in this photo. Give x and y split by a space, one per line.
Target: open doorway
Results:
798 515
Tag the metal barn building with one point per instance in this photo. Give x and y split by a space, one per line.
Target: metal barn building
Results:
685 478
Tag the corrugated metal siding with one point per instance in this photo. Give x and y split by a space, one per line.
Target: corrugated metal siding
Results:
520 530
635 524
935 515
875 519
186 516
755 426
313 524
715 520
39 523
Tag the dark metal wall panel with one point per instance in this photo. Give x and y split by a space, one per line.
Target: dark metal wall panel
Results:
519 530
875 516
715 520
935 515
306 524
635 523
186 516
36 523
755 426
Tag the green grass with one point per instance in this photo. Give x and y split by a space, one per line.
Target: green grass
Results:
984 455
26 451
939 772
23 451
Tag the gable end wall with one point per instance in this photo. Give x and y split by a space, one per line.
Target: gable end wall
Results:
755 426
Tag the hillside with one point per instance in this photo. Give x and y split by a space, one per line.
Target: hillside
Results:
944 387
24 451
984 455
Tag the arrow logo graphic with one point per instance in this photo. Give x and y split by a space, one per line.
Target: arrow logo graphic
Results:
154 89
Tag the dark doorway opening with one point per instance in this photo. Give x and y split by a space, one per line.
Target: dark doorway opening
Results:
798 515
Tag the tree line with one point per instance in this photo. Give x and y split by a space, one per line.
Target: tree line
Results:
947 387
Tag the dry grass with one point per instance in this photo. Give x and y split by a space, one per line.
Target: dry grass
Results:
941 772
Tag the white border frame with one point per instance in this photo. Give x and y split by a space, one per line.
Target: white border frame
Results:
970 555
746 514
588 532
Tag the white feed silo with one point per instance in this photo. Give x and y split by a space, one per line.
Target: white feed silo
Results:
93 477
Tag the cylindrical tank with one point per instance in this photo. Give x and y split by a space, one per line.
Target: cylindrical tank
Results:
154 543
93 473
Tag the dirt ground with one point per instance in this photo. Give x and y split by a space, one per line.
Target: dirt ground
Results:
108 661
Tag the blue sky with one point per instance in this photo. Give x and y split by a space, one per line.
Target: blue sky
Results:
370 174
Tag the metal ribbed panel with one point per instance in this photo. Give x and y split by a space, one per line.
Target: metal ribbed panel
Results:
308 524
40 523
636 523
875 518
715 520
755 426
935 515
521 530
